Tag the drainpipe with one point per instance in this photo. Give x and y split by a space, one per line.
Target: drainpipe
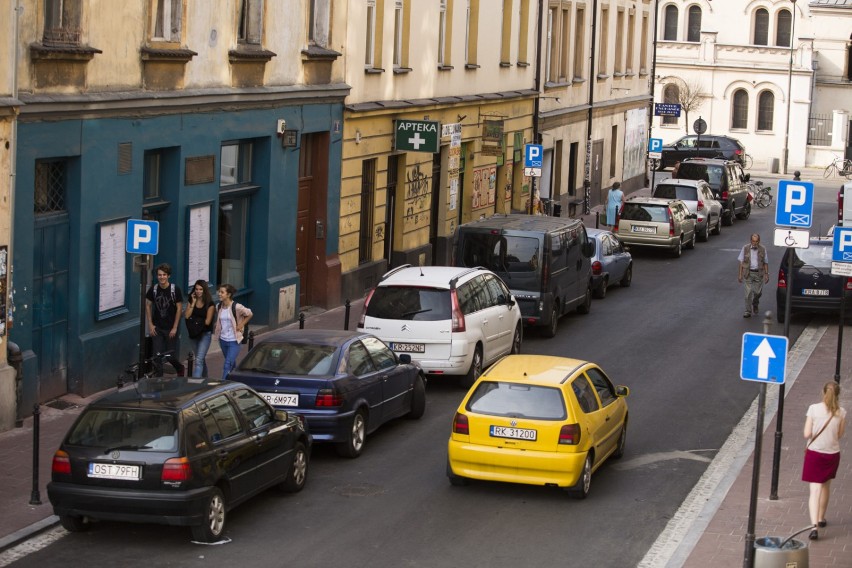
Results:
653 90
13 168
536 135
587 178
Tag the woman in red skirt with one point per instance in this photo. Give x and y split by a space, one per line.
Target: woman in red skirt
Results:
824 426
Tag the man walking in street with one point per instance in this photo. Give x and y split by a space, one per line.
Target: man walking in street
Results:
163 309
754 269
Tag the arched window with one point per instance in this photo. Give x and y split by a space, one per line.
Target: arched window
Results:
761 27
739 112
671 94
765 110
849 60
693 27
782 28
670 26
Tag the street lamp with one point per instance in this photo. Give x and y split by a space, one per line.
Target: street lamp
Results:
786 154
653 88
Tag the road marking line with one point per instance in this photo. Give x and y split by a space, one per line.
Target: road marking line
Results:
29 546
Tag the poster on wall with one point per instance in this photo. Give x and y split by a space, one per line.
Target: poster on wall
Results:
198 246
112 258
635 141
492 185
4 280
477 189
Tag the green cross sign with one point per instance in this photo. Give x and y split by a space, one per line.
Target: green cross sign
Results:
418 135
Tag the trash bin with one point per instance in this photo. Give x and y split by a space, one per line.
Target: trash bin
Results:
776 552
773 165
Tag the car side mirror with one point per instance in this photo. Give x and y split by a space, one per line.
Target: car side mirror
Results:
693 216
588 249
621 390
404 358
282 416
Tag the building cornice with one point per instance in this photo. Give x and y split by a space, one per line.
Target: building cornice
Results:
396 105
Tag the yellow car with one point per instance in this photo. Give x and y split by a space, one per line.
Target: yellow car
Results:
538 420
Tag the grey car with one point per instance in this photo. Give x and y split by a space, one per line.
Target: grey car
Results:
656 223
612 263
698 197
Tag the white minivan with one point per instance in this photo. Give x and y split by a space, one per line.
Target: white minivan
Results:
452 321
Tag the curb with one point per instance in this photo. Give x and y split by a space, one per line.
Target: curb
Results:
26 533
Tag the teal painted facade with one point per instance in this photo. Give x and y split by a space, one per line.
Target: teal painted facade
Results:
97 346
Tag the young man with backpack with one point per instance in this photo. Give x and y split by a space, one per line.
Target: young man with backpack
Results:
163 309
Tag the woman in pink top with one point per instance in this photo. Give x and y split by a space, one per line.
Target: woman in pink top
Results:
824 426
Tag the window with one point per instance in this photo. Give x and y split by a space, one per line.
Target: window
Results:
739 114
235 173
220 418
603 56
62 23
398 34
549 62
167 20
523 30
50 186
643 47
471 38
604 388
613 151
782 28
152 176
671 94
670 23
370 55
253 408
585 394
360 363
383 358
506 33
442 33
250 29
319 22
765 110
631 29
579 43
368 192
619 52
761 27
693 26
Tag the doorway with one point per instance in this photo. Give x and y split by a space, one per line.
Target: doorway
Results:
311 223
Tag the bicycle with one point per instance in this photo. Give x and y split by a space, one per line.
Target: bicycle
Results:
748 162
840 166
761 194
131 373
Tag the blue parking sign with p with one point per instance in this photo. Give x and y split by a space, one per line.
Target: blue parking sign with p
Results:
842 251
142 236
795 205
655 144
533 155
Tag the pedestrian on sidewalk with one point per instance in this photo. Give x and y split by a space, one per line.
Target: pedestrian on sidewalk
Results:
824 426
163 308
754 269
613 204
230 325
199 315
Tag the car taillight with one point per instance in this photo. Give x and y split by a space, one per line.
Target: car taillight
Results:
570 434
617 219
597 268
328 398
671 223
724 195
782 279
460 425
458 316
700 205
61 463
176 469
848 284
364 309
840 208
738 152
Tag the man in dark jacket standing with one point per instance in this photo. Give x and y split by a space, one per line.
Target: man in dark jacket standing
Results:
754 269
163 309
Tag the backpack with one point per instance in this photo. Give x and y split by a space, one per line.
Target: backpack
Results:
245 327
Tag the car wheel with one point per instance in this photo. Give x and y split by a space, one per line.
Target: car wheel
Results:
704 235
475 368
627 278
691 244
622 441
586 306
354 444
73 523
746 212
517 339
600 292
550 330
718 229
298 474
779 314
581 490
728 217
418 399
213 521
678 250
455 479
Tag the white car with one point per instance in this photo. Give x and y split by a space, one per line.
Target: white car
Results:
452 321
699 199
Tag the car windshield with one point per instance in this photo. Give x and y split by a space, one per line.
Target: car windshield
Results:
670 191
647 212
695 170
498 398
410 303
501 253
121 429
818 256
284 358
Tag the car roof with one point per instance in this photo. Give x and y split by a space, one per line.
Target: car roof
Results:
681 181
314 336
546 370
163 393
427 276
708 161
592 232
650 200
521 222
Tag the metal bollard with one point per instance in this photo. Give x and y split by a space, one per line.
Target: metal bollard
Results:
597 219
16 359
301 320
190 363
346 315
35 497
251 340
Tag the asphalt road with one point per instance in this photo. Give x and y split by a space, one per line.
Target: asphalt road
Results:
673 337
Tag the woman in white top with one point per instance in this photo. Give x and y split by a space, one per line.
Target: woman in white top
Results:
229 329
824 426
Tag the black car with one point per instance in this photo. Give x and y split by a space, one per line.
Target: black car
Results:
177 452
726 179
812 286
704 146
346 384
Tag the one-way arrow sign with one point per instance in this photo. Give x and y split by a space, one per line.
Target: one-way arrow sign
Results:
764 358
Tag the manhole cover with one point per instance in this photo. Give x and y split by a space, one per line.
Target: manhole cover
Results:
358 490
60 404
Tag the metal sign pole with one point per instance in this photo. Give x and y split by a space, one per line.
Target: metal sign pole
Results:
840 330
779 423
142 260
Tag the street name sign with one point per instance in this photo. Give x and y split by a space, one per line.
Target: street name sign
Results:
764 358
792 238
533 154
417 135
142 237
795 204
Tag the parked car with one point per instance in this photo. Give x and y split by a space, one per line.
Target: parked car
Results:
538 420
612 263
705 146
451 321
699 199
812 286
726 179
544 260
177 452
346 384
656 223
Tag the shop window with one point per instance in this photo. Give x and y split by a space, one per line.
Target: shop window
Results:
235 186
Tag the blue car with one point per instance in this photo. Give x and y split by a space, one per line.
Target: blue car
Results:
611 262
345 384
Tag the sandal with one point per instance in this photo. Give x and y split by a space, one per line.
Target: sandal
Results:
822 524
814 535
